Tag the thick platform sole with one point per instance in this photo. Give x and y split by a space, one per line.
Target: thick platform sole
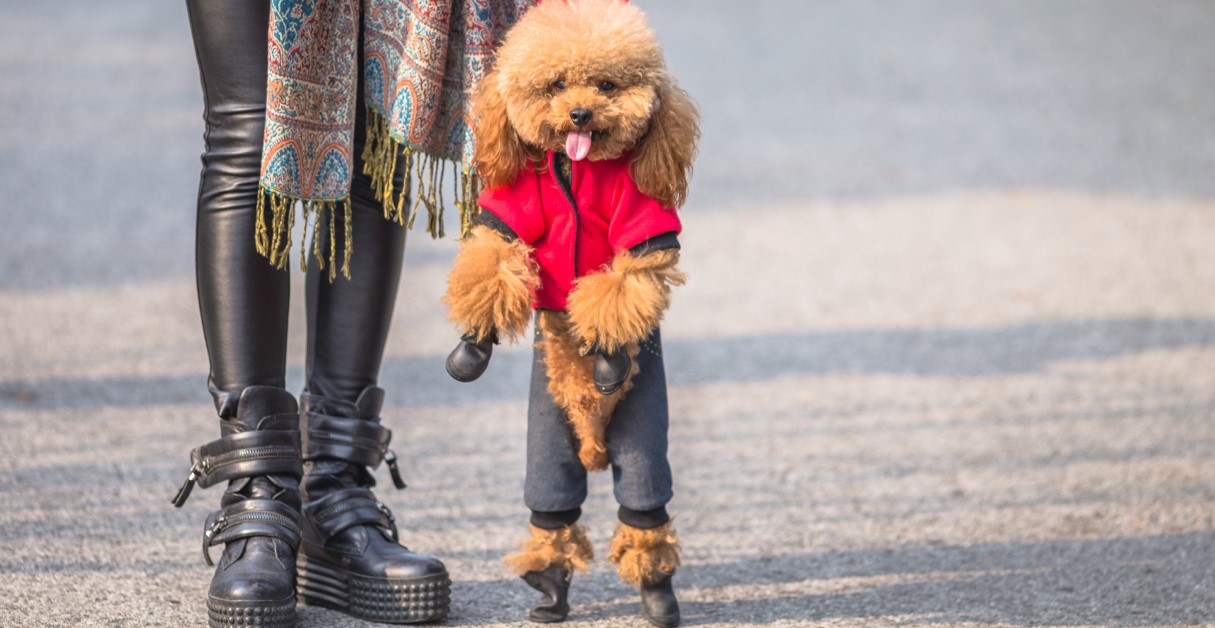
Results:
384 600
226 614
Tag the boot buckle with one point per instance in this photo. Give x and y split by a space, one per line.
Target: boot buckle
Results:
392 520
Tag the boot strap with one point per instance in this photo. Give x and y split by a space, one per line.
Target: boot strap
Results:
242 455
361 441
349 507
249 518
351 440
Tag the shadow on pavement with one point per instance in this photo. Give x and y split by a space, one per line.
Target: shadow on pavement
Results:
1065 582
1073 582
944 352
948 352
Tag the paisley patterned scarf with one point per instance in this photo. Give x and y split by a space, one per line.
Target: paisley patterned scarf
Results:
421 61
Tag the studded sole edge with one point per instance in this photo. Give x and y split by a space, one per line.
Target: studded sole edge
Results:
384 600
225 614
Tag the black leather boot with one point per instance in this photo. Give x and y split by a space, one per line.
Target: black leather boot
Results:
658 603
259 522
470 358
554 583
351 559
611 369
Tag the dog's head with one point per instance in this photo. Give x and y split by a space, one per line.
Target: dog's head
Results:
586 77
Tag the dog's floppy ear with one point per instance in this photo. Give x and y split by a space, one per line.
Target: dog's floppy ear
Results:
662 162
500 153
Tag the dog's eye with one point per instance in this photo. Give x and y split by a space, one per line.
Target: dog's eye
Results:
607 86
559 85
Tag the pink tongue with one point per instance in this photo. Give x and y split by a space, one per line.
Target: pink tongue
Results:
578 144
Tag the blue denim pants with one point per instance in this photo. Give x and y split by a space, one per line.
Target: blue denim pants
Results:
636 441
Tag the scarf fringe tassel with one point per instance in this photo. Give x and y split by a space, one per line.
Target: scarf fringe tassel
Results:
273 234
381 154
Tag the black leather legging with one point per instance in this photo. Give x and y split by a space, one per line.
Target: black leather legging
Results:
244 300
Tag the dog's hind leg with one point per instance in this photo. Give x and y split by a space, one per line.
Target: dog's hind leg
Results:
547 561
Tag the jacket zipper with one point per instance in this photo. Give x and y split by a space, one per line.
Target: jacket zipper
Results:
568 192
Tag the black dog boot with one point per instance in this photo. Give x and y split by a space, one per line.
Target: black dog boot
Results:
646 558
351 559
259 522
546 562
554 584
658 603
611 369
470 358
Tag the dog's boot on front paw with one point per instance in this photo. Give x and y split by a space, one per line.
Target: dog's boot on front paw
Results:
554 583
611 370
470 358
658 603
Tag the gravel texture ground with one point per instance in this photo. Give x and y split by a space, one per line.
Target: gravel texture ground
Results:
947 357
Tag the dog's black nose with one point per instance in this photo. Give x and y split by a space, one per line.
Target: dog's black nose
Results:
580 116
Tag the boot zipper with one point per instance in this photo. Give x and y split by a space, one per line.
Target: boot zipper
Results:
183 493
209 463
226 521
230 457
333 511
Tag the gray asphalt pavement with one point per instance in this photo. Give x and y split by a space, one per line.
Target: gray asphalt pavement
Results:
946 358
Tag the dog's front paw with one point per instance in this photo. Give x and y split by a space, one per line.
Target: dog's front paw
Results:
470 358
491 285
611 370
624 303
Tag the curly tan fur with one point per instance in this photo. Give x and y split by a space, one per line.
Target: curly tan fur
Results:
623 305
567 546
558 57
500 153
640 555
572 387
662 162
491 285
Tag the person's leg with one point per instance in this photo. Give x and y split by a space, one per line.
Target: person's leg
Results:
350 537
349 319
242 299
243 304
644 546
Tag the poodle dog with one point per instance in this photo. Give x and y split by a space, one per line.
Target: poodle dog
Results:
584 146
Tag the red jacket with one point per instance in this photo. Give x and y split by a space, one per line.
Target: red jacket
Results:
608 214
